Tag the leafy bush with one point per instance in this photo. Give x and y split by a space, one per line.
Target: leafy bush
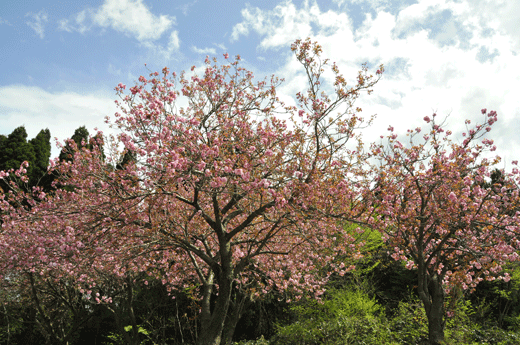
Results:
494 336
409 324
259 341
348 316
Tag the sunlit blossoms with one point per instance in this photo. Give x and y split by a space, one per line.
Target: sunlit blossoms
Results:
446 211
222 194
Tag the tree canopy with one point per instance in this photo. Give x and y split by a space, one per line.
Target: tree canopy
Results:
223 194
237 195
446 212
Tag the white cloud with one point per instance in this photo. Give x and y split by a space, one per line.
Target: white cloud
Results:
499 15
174 41
204 51
434 52
241 29
185 8
280 24
415 14
492 18
285 23
61 112
220 45
38 23
164 52
376 4
81 22
132 17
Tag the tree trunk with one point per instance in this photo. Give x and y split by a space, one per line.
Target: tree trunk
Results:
234 314
212 327
431 294
132 337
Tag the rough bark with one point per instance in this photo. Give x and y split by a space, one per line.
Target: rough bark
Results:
431 294
212 326
234 314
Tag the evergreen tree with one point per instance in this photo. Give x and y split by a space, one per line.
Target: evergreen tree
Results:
82 140
3 140
41 145
15 149
127 157
80 137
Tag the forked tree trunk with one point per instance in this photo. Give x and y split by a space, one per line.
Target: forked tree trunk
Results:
235 311
431 294
212 324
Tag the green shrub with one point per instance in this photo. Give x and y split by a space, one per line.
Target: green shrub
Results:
348 316
495 336
259 341
409 324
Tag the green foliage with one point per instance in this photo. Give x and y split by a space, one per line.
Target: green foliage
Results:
41 145
495 336
348 316
128 156
351 316
11 325
409 324
390 281
15 150
259 341
498 302
80 137
118 339
460 326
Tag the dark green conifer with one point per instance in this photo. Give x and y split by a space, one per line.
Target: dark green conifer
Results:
80 137
41 145
15 149
128 156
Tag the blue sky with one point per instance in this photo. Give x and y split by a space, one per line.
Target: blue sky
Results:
62 60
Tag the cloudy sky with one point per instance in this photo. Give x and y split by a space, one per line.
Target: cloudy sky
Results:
60 61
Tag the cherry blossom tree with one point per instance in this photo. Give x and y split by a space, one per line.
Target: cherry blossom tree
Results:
60 272
439 211
237 193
